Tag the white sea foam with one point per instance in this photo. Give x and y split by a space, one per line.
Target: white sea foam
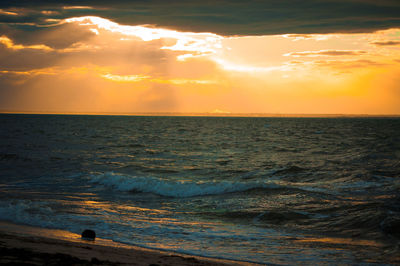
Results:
172 188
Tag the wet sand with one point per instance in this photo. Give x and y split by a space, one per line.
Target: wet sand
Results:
26 245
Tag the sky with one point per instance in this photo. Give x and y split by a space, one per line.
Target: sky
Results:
217 57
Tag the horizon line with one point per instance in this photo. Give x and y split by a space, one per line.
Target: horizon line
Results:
198 114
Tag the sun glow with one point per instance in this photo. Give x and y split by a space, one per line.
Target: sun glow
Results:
125 78
134 68
138 78
186 41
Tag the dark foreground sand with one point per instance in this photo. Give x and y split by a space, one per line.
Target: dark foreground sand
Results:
25 245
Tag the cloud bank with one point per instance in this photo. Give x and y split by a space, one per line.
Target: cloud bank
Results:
223 17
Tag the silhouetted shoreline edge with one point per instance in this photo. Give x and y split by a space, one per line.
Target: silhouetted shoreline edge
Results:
26 244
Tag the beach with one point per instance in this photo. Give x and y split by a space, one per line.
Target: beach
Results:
38 246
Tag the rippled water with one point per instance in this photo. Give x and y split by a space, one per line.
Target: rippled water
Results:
269 190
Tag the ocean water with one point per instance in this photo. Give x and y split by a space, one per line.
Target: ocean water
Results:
267 190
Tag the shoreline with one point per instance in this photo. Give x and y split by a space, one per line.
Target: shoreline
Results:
27 244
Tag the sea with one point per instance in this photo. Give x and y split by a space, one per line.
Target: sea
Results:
270 190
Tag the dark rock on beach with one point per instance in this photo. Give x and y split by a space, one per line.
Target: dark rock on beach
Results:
89 234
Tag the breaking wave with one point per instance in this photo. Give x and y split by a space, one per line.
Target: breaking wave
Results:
175 189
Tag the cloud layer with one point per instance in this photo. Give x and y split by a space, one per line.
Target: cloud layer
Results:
93 64
224 17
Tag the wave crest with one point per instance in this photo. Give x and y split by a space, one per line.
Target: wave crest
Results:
171 188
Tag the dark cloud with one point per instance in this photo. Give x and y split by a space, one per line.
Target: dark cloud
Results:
348 64
226 17
341 52
57 37
327 53
387 43
25 59
72 45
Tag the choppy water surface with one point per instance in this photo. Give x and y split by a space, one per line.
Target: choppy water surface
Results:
269 190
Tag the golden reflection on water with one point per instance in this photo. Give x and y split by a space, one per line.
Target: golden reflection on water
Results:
139 214
91 204
341 241
135 208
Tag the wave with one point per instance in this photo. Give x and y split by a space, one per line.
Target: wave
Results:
270 216
177 189
42 214
27 212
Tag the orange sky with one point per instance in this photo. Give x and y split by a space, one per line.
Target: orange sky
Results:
98 65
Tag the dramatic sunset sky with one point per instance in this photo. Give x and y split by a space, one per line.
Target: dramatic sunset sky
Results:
272 56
